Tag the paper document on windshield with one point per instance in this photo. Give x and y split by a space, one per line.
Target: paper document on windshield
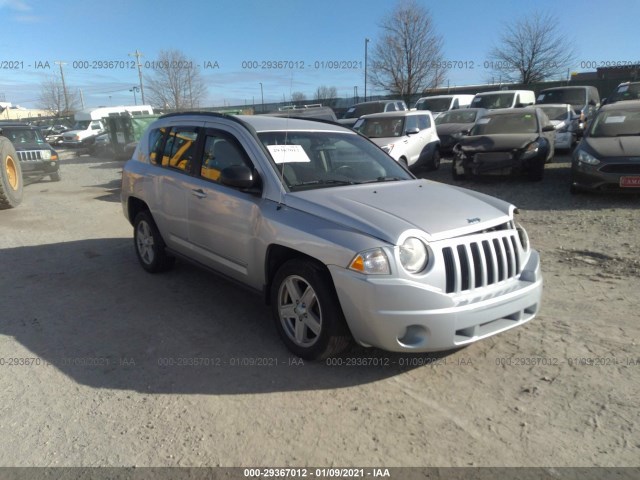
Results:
288 154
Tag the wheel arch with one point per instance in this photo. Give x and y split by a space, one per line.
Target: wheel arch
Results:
278 255
135 206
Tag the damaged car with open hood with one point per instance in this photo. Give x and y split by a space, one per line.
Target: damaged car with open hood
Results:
507 141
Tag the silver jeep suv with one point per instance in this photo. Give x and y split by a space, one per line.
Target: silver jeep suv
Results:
343 241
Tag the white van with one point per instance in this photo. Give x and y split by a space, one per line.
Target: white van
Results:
504 99
438 104
89 123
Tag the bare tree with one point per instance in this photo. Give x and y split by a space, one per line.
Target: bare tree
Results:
298 97
325 94
408 57
176 82
52 97
532 50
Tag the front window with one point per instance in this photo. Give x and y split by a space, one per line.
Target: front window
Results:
81 125
630 91
386 127
457 116
308 160
555 113
24 136
576 97
434 104
516 122
493 101
616 123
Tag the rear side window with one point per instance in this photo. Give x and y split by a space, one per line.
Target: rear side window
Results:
179 148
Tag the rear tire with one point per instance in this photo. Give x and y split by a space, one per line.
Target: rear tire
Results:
150 247
307 312
11 181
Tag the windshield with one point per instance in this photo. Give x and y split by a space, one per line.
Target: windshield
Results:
555 113
457 116
576 97
308 160
516 122
434 104
81 125
493 101
616 123
24 136
380 127
629 91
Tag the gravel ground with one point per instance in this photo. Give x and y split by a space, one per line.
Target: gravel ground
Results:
103 364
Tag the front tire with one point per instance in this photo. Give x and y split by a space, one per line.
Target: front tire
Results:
434 163
11 182
150 247
55 177
307 312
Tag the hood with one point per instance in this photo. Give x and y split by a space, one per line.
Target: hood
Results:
382 141
614 146
451 128
497 142
386 210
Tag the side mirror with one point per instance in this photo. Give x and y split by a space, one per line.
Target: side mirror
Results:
413 131
238 176
548 128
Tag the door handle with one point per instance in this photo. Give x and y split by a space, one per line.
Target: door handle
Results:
198 192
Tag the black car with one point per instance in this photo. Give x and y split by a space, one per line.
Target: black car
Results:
506 141
36 156
454 124
608 157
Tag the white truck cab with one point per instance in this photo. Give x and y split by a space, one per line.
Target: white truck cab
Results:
90 123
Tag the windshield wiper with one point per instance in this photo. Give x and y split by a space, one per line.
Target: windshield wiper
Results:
326 182
384 179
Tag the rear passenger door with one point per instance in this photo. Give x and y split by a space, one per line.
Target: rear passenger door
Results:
175 149
222 219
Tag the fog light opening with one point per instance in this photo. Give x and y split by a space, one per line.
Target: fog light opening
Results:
415 336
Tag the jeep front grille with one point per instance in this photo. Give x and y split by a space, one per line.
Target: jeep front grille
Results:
481 260
30 155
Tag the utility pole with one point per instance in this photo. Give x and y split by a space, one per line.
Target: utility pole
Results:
64 87
81 99
366 42
137 54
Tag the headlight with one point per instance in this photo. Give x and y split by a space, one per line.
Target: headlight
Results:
524 238
46 154
387 148
413 255
371 262
584 157
531 150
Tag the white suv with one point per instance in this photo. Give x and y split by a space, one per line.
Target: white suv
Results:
409 137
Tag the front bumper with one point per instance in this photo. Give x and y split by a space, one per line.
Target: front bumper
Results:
605 176
565 140
402 316
497 163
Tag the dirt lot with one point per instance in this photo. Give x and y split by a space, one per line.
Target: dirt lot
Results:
103 364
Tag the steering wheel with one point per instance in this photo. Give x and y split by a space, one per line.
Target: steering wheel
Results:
346 170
